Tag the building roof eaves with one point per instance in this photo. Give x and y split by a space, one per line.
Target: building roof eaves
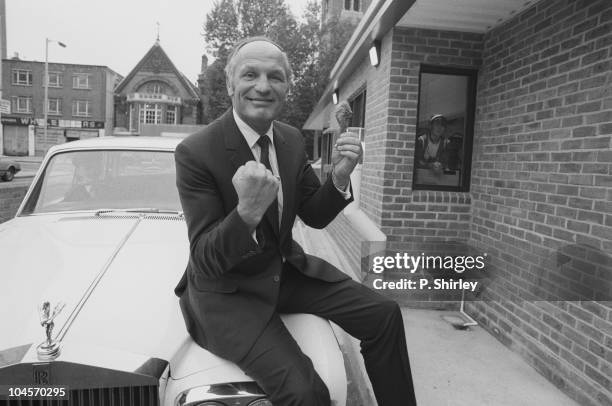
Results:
6 60
380 17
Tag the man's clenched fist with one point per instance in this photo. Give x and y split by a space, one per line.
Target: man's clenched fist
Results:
257 188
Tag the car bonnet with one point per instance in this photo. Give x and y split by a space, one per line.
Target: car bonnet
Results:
115 274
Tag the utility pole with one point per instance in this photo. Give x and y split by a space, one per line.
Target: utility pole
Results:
46 82
2 56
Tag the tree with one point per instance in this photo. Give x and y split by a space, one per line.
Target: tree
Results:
217 100
312 50
220 29
334 37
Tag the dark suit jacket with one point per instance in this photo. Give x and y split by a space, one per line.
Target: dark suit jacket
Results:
228 292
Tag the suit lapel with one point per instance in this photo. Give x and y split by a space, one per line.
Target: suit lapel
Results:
238 150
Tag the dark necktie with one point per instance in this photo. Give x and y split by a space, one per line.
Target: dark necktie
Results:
272 212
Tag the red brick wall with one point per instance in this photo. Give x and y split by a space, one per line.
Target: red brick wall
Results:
376 118
540 203
387 197
542 187
96 94
408 215
390 124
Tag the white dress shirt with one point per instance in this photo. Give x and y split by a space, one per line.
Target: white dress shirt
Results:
251 137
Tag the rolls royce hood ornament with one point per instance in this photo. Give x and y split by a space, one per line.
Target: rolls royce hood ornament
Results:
49 349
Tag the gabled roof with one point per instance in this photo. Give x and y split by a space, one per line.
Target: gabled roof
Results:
156 56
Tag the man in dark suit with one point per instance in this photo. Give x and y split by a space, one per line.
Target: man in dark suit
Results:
242 180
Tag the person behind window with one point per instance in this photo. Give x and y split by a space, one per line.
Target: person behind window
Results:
86 182
431 147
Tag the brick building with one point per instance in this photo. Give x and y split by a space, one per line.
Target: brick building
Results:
156 93
80 104
524 88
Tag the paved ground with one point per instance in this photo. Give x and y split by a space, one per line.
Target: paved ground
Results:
450 367
470 367
18 181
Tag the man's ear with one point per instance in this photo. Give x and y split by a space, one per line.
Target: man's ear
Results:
229 86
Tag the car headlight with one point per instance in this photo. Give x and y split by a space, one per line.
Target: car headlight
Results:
224 394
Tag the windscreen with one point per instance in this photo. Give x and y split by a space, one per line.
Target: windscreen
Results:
106 179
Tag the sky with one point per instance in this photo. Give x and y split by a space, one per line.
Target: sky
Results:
113 33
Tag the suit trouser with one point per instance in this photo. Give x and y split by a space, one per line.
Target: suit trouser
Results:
287 375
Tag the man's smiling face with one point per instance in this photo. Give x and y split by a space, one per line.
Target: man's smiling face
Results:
259 84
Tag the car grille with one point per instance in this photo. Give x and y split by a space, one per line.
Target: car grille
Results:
126 396
87 385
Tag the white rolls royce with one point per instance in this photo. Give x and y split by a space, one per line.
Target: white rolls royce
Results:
87 271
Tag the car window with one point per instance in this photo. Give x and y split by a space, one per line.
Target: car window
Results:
106 179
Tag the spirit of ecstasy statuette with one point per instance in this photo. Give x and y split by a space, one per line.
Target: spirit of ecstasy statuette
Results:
48 349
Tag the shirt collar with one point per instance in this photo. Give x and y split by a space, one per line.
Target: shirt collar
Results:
250 135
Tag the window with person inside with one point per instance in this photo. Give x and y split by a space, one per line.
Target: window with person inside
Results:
444 130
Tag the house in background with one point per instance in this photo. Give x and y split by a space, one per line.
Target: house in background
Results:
524 89
80 104
155 97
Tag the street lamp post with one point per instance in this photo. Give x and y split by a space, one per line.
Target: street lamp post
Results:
46 101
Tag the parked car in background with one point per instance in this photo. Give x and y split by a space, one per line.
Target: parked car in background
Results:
89 265
8 168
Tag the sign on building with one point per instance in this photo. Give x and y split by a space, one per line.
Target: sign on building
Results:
5 106
21 121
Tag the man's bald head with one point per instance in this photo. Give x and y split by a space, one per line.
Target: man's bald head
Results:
231 59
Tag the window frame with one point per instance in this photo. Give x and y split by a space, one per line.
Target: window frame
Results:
472 82
60 80
150 113
171 111
76 81
358 102
59 104
28 100
155 88
76 112
15 77
327 148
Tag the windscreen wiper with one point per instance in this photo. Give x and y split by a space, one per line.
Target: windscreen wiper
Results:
140 210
